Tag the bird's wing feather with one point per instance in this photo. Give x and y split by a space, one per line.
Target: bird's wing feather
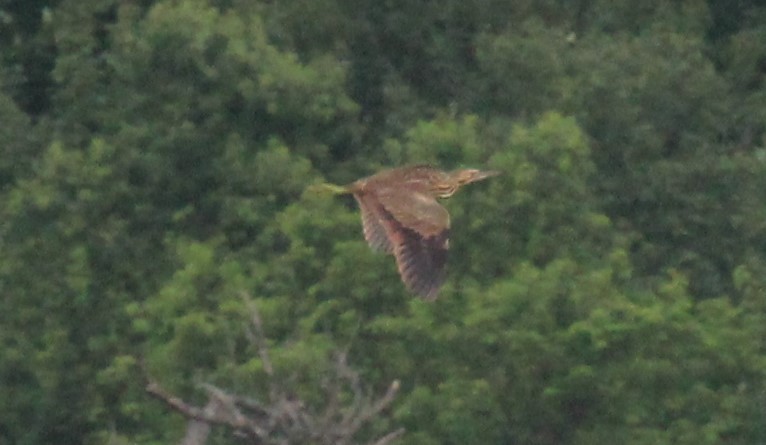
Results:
421 261
415 210
418 230
374 231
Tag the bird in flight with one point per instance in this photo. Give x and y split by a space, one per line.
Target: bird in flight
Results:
400 216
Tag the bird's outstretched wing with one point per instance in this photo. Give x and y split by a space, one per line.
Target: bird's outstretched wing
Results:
421 261
372 226
417 230
414 210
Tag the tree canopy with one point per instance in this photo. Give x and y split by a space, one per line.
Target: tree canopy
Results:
608 287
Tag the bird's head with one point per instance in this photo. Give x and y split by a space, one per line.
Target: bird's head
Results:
461 177
469 175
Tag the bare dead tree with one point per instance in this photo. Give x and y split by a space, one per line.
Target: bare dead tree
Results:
284 419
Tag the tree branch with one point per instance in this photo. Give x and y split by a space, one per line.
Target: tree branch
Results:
256 335
286 419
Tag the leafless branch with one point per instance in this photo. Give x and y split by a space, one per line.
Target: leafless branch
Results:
284 419
197 431
221 409
389 438
256 335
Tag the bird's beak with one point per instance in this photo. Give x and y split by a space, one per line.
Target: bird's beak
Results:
485 174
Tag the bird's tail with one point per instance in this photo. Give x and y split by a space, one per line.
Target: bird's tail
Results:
327 188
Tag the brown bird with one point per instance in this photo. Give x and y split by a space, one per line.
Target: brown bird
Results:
400 216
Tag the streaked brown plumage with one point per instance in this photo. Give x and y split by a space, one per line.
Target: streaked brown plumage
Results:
400 216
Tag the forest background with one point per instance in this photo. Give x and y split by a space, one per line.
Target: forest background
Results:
609 287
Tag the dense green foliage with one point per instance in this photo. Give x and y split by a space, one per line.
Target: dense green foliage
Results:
608 288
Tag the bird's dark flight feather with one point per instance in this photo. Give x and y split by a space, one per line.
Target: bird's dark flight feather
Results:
374 231
421 261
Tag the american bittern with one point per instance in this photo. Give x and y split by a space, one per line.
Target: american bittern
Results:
400 216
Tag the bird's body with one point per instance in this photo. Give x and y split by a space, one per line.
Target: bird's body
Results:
400 216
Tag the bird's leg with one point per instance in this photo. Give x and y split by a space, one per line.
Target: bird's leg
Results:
325 187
